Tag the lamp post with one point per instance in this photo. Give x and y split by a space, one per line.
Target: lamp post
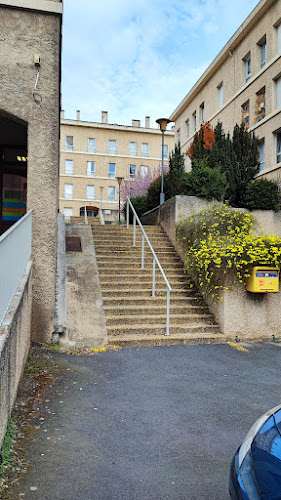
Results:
101 190
119 180
163 122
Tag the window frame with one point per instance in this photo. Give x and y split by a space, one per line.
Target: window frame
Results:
112 175
135 149
202 113
194 115
91 150
112 150
64 191
220 89
262 163
90 170
135 171
69 147
247 66
187 128
145 149
93 188
65 168
278 146
111 198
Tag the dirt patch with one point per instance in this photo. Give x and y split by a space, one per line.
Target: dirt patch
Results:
41 372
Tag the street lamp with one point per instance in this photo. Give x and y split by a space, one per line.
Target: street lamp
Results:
163 122
119 180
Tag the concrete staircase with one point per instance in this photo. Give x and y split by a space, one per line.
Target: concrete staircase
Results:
132 314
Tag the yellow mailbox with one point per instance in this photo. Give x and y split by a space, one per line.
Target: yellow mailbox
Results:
263 280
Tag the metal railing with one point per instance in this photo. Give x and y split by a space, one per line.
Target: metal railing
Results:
15 252
155 259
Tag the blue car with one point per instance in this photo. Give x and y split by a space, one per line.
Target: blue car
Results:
255 472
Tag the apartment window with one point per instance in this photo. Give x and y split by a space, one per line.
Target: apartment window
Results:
132 171
90 192
278 92
166 151
202 113
187 128
112 148
68 191
179 135
278 35
220 89
247 63
90 168
278 147
144 170
194 121
263 52
69 143
68 167
111 193
144 149
91 145
68 212
260 105
245 111
112 170
262 155
133 149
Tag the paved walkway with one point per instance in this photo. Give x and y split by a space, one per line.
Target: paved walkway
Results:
158 423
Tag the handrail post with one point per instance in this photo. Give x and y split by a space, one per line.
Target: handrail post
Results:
128 214
85 213
168 312
142 252
153 278
134 239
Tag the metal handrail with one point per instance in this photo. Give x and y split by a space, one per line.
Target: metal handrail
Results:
155 259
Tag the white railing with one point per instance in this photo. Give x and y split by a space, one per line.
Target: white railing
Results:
155 260
15 252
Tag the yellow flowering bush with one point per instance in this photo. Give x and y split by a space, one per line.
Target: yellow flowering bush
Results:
220 239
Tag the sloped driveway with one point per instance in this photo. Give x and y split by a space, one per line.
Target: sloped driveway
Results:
158 423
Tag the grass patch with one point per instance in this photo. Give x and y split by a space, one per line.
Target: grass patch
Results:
6 447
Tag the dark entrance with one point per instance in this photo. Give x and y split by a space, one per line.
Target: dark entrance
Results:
91 211
13 171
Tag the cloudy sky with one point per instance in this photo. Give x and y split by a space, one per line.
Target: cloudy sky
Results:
134 58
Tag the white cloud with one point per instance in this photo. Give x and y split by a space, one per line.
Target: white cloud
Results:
140 58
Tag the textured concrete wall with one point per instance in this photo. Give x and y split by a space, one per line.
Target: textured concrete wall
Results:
14 346
24 33
85 314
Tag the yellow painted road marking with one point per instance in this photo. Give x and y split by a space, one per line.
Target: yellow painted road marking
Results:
237 346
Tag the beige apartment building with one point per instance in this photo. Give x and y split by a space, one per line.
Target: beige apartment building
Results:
93 155
242 84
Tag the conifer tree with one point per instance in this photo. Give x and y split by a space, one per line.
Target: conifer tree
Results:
176 172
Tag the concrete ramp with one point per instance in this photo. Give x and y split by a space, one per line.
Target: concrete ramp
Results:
86 325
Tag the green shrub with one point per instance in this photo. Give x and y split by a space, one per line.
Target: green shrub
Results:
204 182
140 205
154 190
262 194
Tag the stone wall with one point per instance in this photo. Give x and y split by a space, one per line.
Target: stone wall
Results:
24 33
15 335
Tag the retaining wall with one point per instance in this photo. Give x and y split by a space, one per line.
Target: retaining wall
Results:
15 332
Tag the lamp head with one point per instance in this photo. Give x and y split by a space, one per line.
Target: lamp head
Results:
163 122
119 180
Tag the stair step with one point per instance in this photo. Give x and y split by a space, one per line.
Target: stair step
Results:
159 339
157 309
160 328
154 318
140 295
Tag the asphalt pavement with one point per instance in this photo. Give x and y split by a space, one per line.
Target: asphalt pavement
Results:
149 423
